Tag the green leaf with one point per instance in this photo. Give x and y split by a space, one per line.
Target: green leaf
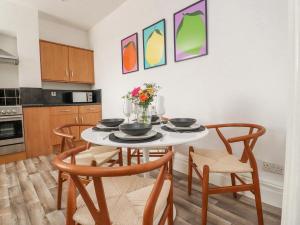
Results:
158 31
196 13
150 36
131 42
179 27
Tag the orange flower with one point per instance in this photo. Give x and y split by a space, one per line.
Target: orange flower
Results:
143 97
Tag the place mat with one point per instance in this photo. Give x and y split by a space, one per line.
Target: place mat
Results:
113 138
155 123
200 129
105 129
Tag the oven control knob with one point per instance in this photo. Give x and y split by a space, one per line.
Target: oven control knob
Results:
3 112
14 111
8 111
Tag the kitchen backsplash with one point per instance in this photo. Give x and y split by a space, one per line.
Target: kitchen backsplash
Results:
39 96
9 96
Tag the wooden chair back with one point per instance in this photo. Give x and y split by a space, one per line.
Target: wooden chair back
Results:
101 216
67 138
249 140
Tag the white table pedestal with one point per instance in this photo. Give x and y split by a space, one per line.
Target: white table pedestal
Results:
145 160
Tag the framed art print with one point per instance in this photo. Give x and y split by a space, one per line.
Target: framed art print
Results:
190 32
154 45
130 58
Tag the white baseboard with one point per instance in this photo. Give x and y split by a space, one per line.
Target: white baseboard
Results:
271 192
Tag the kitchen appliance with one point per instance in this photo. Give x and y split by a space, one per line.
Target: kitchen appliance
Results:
6 57
11 129
82 96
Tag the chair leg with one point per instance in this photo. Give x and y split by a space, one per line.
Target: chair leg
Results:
128 156
233 184
257 198
71 204
120 160
190 174
59 190
205 183
170 201
138 156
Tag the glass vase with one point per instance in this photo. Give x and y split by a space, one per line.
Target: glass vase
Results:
144 115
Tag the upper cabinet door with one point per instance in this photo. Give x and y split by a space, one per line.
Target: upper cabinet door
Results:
54 62
81 65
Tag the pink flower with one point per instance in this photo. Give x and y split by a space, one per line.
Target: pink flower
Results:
135 92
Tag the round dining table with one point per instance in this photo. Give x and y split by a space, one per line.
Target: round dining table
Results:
168 139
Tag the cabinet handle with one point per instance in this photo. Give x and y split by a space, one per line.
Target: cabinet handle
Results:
72 74
67 72
76 119
82 119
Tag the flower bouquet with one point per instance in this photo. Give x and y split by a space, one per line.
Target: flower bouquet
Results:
142 97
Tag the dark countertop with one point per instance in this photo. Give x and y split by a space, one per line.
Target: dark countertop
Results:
63 104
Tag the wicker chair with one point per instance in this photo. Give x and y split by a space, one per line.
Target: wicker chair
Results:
93 155
118 195
205 161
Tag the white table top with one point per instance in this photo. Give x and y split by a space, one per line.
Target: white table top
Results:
169 139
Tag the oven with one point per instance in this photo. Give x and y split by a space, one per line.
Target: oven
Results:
11 133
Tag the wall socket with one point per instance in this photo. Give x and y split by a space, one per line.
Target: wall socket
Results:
53 93
273 168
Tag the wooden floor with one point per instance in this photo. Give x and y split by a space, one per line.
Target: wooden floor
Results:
28 192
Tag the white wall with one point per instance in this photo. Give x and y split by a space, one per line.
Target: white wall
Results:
22 22
243 78
58 32
291 197
8 73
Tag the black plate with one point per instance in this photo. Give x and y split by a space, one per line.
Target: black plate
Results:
199 129
112 122
110 129
182 122
113 138
135 129
154 118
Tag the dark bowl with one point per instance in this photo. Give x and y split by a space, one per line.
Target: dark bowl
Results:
154 118
112 122
182 122
135 129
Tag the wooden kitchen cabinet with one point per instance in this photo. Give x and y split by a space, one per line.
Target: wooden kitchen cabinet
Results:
37 131
81 65
59 120
39 123
54 62
89 115
62 63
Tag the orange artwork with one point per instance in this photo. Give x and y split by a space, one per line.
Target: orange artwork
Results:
130 54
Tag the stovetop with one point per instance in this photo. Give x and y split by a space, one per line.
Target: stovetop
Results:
10 110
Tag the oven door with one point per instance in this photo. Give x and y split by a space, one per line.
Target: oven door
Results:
11 130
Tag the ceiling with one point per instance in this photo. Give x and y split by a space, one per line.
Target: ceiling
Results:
80 13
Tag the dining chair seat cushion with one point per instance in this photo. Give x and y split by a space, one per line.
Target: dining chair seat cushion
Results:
126 198
219 161
100 154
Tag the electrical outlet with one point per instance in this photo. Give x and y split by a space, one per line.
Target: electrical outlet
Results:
53 93
273 168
